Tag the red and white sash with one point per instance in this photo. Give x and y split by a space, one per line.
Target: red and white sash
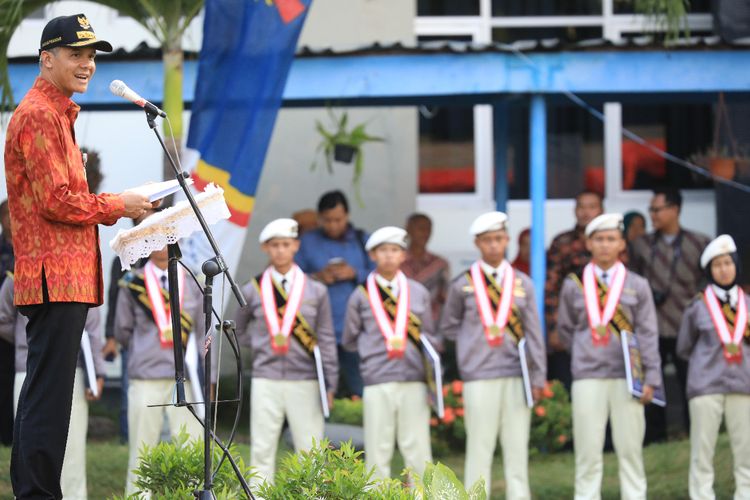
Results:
159 307
599 319
279 331
494 324
731 341
394 332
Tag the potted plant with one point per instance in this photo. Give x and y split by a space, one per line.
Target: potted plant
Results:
720 161
670 15
344 145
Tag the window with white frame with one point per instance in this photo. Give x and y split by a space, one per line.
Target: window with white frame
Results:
447 7
577 142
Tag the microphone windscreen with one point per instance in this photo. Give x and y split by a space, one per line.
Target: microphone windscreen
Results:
118 88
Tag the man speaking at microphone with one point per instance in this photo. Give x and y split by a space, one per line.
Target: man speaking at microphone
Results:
58 272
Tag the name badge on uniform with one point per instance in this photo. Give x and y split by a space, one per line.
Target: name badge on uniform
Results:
599 318
730 340
280 331
494 324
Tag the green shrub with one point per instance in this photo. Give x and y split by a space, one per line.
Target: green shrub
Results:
321 472
551 420
327 473
449 432
174 470
347 411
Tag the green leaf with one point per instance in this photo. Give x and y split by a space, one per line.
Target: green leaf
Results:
477 491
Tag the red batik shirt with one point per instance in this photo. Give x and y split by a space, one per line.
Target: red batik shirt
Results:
53 215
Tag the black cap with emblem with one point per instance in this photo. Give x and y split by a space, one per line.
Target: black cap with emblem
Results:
71 31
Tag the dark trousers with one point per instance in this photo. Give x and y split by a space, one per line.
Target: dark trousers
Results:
350 379
124 396
7 376
41 428
558 368
656 416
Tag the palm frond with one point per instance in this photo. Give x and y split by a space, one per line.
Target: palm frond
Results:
12 13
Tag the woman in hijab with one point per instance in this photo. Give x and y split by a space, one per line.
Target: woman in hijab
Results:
715 339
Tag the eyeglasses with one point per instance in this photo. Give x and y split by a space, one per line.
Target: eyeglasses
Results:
656 210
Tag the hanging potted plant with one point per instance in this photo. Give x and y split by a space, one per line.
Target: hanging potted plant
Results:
344 145
722 163
667 15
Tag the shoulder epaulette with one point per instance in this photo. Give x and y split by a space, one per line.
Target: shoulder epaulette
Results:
576 279
464 274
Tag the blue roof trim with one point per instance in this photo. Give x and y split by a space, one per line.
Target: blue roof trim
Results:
403 78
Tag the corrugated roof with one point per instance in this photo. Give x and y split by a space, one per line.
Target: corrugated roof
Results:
635 43
645 42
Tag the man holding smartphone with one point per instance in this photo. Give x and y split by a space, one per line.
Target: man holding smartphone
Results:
335 255
669 259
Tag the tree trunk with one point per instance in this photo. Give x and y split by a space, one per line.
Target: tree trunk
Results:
173 105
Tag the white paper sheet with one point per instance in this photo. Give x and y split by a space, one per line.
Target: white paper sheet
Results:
158 190
525 373
88 361
321 382
191 363
436 392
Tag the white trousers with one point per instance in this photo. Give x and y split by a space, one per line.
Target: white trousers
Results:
270 402
594 401
145 424
705 419
73 477
396 411
497 408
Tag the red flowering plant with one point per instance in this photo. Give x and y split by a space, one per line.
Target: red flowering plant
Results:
449 432
551 420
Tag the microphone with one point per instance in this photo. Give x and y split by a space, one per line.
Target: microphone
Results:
118 88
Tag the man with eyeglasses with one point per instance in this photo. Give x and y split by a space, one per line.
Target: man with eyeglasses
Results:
669 258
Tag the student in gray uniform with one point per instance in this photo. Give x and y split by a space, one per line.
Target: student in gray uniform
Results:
489 309
288 314
715 338
385 318
594 309
143 327
13 328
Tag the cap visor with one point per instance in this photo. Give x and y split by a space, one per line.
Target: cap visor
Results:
97 44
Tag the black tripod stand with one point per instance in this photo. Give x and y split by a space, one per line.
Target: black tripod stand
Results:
211 268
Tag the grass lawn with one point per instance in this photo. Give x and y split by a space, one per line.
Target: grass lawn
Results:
551 476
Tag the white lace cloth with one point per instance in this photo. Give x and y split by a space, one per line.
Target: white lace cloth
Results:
168 226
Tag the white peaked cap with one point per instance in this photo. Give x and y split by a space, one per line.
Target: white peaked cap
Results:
605 222
279 228
722 245
387 234
490 221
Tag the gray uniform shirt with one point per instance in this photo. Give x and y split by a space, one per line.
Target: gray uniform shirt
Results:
13 328
477 360
708 371
136 330
590 361
362 334
296 364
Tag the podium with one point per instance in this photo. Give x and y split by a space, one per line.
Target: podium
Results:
166 228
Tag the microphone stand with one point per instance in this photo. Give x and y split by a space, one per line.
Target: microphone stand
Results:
211 268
